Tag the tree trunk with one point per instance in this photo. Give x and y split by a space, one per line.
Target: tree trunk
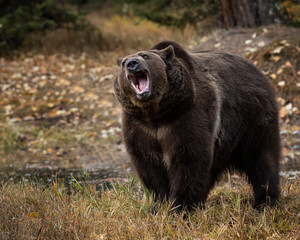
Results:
248 13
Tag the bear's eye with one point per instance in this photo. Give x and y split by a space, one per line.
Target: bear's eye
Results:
145 56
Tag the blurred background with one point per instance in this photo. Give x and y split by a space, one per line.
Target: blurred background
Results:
97 25
58 113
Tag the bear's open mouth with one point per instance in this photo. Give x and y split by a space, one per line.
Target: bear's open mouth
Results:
140 81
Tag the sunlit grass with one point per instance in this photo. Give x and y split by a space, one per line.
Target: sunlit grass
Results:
111 35
126 33
127 211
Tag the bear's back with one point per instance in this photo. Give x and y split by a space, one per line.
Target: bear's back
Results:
237 78
245 96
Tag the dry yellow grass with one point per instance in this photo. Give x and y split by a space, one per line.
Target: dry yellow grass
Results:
110 34
125 33
126 212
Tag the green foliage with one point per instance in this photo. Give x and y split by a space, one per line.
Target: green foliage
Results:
178 13
21 17
291 12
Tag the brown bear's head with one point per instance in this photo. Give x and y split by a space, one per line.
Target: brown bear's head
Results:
142 76
155 83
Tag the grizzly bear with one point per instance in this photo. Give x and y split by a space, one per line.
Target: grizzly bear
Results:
189 116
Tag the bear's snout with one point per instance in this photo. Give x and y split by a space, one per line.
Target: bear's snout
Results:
133 65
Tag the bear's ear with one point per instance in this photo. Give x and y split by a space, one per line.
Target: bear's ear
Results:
119 60
168 53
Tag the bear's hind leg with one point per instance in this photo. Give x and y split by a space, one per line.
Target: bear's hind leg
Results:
263 174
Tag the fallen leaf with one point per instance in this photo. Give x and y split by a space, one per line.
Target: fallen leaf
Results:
50 150
248 41
281 101
279 71
15 120
273 76
275 58
283 42
295 109
28 118
42 83
62 82
285 152
53 113
77 89
8 109
50 105
261 44
254 35
104 103
33 215
283 112
289 106
278 50
91 96
288 64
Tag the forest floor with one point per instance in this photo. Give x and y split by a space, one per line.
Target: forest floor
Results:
58 113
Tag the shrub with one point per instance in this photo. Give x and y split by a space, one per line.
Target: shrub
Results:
20 17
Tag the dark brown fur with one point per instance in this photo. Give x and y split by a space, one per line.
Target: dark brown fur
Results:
207 112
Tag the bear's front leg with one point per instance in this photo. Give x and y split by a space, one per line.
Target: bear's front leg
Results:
146 156
189 169
189 182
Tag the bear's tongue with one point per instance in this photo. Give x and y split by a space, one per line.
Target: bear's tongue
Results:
143 83
139 81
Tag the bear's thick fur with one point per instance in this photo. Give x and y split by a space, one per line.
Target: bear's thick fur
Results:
188 117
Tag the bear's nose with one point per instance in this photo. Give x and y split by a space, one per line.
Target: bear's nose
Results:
133 64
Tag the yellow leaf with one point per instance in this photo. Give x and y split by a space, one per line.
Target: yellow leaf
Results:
105 103
288 64
42 83
77 89
50 105
28 118
33 214
281 101
50 150
53 113
273 76
285 151
275 58
283 112
62 82
280 70
91 96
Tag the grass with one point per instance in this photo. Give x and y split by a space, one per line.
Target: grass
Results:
113 35
10 138
126 212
